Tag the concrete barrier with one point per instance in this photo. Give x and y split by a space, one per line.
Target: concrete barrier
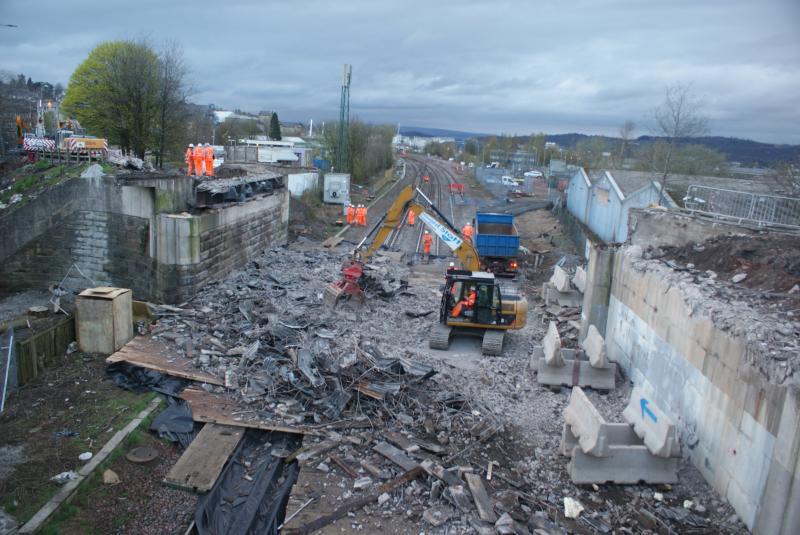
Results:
560 279
579 279
602 452
595 347
586 423
574 372
652 425
571 298
628 461
551 343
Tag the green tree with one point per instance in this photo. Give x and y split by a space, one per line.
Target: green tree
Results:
369 148
114 94
471 146
274 127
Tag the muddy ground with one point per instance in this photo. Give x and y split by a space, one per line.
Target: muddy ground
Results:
70 409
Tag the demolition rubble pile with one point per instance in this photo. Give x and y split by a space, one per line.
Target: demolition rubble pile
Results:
392 434
267 332
771 332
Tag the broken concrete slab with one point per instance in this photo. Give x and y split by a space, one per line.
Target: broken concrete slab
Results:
595 347
651 424
458 496
436 516
482 502
579 279
560 279
551 344
587 424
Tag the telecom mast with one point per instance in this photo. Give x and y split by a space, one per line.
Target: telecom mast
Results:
344 121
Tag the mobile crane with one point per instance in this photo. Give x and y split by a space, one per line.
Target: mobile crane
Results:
473 302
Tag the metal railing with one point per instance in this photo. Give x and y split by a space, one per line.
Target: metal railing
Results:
743 206
7 364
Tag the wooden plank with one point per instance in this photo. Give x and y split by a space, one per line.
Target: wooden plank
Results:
400 441
395 455
215 409
145 352
200 465
346 468
485 509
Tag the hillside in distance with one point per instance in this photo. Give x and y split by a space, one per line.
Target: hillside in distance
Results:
745 151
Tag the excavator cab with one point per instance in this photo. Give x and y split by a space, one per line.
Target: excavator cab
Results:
475 303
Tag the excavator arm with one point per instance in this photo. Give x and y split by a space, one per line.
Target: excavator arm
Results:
439 225
353 268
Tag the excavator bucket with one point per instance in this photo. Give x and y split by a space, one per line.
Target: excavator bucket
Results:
348 286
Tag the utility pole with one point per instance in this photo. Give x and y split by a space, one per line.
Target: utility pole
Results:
344 121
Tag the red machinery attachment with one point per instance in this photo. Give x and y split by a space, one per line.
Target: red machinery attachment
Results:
352 272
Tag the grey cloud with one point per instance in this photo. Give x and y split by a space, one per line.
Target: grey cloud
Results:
506 66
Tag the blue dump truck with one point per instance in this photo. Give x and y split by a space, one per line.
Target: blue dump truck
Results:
497 243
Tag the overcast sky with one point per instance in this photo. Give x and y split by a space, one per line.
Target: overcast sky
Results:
492 66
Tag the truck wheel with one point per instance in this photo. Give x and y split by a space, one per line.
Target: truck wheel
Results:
493 342
440 337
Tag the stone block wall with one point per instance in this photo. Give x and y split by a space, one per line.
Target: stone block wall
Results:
107 247
118 234
741 431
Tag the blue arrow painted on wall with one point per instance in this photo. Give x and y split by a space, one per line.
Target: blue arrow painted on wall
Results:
646 410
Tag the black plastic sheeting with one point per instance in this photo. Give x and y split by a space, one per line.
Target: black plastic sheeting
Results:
138 379
175 423
236 505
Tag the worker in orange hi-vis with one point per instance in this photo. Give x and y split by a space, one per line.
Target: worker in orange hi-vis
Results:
361 216
198 155
427 240
411 217
209 153
357 214
364 208
351 214
466 230
188 159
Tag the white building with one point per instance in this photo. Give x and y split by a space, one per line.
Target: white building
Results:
417 142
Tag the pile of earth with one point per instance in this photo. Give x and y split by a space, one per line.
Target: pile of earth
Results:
771 262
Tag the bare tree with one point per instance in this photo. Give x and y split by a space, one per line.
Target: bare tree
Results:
173 92
626 133
678 117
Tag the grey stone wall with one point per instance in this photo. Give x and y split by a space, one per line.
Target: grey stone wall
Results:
114 232
109 248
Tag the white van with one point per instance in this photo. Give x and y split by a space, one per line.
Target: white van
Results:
508 181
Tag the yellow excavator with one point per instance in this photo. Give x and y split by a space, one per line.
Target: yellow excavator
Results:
473 302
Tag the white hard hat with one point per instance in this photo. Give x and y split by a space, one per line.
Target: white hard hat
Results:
426 232
191 145
207 145
452 264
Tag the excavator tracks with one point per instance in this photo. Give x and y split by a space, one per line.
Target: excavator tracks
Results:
493 342
440 337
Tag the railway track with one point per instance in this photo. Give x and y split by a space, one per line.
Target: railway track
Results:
437 189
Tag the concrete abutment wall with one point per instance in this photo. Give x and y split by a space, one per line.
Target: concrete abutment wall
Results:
118 234
739 429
